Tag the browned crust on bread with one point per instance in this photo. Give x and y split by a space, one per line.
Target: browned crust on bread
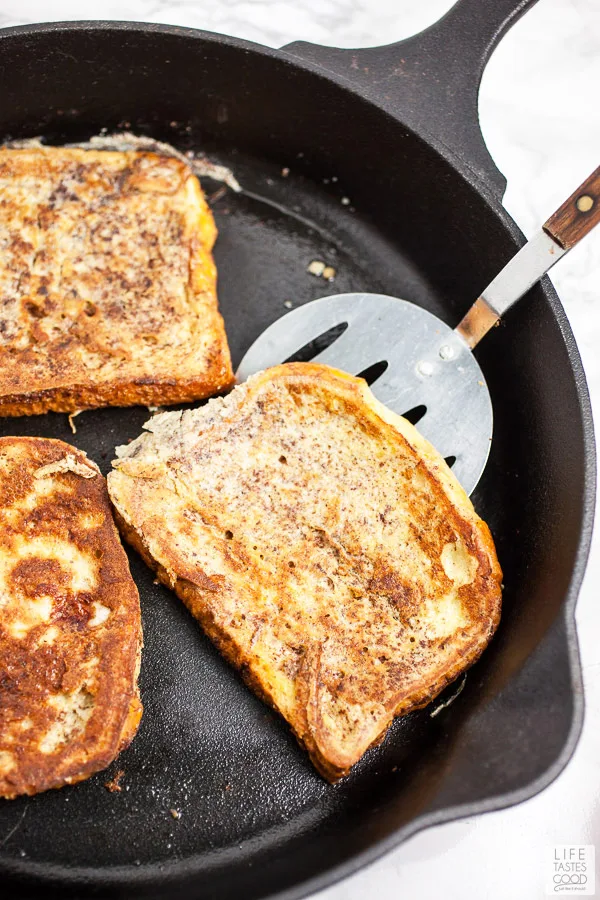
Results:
107 283
120 393
70 628
337 668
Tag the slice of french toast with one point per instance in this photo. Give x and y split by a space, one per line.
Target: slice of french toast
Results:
107 281
324 546
70 630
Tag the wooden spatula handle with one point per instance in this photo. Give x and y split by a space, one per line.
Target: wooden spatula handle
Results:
577 215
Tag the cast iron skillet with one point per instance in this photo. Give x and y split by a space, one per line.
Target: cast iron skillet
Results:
397 129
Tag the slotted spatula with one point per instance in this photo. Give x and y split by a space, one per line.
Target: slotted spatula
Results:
416 363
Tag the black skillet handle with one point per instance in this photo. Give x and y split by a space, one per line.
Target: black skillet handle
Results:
431 81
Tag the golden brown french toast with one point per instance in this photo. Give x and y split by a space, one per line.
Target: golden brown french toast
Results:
324 546
70 632
107 282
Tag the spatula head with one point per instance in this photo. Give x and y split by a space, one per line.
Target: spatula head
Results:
415 363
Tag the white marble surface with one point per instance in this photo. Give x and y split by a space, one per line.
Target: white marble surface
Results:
541 120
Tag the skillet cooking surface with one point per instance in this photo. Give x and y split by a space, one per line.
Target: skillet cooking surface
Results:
207 747
255 819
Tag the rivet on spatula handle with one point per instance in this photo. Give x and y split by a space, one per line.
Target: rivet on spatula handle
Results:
578 215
